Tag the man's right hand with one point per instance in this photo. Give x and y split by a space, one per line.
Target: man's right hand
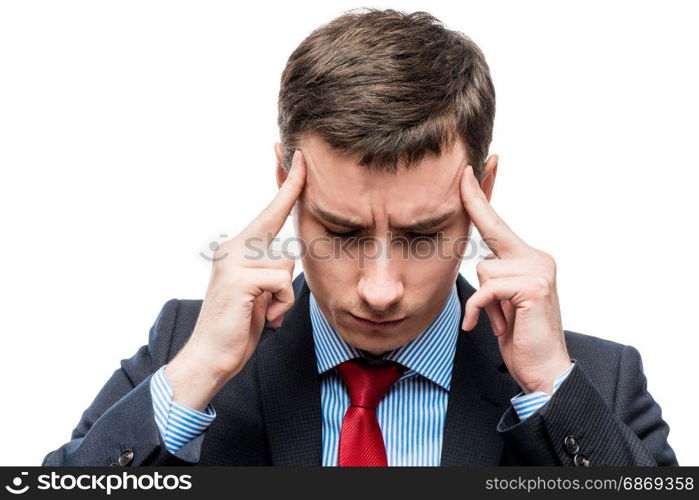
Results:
244 290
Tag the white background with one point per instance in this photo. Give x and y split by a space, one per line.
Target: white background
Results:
134 133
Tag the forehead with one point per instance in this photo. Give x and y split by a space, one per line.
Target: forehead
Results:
335 182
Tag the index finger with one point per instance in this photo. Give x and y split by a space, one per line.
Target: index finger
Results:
270 221
496 234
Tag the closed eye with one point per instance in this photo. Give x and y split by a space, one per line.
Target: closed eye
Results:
425 235
349 234
335 234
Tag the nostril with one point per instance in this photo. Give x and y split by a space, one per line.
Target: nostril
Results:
380 300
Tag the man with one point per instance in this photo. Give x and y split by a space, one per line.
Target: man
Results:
380 353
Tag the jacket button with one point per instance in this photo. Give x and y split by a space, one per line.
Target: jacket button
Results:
572 445
581 460
126 457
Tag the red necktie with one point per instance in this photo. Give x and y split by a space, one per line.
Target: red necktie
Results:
361 441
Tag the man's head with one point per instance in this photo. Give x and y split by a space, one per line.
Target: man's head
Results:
387 108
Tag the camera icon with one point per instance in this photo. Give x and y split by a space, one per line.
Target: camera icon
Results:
16 488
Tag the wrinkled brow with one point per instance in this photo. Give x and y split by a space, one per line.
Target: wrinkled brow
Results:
424 224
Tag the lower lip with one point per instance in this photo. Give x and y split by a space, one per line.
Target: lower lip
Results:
370 325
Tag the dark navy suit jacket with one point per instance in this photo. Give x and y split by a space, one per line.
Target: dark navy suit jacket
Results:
270 413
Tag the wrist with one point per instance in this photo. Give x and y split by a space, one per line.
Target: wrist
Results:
545 381
194 382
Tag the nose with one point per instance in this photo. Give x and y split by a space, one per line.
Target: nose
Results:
380 285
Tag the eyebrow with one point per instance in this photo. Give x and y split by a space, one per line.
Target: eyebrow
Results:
420 225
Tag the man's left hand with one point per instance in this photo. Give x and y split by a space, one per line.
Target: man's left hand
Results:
518 292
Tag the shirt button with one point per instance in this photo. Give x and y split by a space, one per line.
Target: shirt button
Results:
572 445
126 457
581 460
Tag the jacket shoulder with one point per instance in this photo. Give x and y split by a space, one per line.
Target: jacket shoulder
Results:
603 360
586 344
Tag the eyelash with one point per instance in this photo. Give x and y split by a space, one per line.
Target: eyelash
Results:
349 234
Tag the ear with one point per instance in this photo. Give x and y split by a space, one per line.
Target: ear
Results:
280 170
489 173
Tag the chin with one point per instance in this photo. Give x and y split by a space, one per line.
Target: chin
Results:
376 343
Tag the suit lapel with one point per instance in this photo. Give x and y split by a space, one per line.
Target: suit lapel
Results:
290 387
479 394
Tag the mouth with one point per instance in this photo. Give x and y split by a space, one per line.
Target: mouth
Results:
376 325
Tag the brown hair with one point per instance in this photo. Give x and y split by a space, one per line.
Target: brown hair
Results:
386 87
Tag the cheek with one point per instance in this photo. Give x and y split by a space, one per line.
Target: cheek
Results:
429 273
333 281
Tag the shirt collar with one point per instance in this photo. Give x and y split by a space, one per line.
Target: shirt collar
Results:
430 354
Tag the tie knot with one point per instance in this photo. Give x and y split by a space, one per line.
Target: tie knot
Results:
368 382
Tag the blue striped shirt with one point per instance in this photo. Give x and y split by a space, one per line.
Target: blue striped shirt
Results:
178 424
411 415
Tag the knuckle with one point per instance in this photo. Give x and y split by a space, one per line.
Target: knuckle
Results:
547 258
469 303
541 255
277 276
482 272
548 263
477 297
540 287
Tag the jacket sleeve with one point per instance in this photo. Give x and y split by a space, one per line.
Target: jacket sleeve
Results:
119 427
578 427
